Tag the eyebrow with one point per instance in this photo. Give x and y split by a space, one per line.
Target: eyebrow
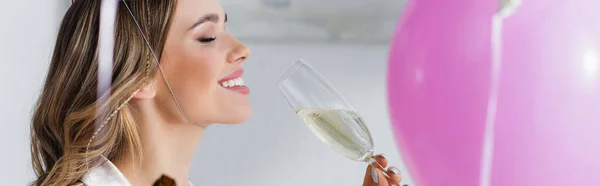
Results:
208 17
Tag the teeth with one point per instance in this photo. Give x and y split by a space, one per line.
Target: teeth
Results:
238 82
233 83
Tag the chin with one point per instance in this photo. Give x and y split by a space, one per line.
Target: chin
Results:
240 116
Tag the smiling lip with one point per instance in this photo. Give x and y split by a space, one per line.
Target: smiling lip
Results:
242 90
234 75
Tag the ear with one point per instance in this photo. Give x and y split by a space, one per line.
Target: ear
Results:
148 91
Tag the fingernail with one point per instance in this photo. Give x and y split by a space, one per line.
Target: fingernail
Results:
394 170
374 176
382 155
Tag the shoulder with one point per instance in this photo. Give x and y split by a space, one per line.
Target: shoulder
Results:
105 174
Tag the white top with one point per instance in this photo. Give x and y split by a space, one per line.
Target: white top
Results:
106 174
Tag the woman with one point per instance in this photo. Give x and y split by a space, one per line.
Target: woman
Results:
156 114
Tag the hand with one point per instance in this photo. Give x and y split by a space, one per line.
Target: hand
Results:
375 177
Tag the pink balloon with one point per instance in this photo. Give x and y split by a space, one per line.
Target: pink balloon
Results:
541 108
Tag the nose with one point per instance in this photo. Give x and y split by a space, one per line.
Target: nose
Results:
239 51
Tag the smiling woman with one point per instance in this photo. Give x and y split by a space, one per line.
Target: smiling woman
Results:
176 71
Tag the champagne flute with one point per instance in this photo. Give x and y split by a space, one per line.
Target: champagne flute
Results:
327 113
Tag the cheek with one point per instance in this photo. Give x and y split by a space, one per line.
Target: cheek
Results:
201 69
199 74
193 73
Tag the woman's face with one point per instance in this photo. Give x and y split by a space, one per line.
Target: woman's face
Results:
203 65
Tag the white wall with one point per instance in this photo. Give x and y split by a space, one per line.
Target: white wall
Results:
273 148
27 36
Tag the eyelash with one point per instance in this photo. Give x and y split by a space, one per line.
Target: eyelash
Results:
207 39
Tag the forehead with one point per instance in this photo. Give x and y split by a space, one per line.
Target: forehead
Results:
189 12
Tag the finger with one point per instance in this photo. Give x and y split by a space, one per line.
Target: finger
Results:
395 175
381 160
375 177
368 180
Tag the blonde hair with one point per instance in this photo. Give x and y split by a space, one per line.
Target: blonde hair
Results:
64 117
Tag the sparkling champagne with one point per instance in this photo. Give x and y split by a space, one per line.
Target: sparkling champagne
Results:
343 130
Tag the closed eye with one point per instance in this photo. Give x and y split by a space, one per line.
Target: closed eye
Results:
207 39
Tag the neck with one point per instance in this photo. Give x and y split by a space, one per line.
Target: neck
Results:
167 149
